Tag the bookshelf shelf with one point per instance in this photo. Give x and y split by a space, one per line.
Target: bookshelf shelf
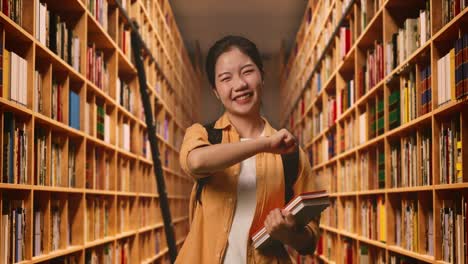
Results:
425 258
56 254
393 147
74 179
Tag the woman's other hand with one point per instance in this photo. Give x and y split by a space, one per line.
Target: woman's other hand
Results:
280 225
282 142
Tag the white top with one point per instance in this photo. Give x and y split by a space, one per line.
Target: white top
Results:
236 251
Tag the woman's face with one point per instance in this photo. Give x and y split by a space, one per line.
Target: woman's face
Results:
238 83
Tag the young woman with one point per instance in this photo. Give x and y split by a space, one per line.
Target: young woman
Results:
243 177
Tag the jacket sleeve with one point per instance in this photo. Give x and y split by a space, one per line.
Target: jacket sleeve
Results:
195 137
306 183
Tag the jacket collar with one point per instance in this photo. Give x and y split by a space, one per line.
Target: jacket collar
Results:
223 122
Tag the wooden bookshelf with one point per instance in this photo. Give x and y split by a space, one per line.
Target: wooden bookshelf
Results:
76 163
385 134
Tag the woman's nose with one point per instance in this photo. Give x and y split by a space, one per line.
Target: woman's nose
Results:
240 84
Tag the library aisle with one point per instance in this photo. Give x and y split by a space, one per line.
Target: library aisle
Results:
77 181
376 92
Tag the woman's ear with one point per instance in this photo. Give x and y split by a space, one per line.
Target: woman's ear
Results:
216 93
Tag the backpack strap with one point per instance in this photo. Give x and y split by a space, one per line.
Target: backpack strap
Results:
290 165
215 136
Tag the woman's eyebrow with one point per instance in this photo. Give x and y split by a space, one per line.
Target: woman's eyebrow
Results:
221 74
247 65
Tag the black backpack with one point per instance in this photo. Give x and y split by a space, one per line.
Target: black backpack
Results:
290 165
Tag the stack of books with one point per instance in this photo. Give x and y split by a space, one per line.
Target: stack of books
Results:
303 207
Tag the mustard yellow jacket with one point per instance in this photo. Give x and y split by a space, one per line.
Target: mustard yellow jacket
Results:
210 221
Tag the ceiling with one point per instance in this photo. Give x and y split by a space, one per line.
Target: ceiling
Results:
265 22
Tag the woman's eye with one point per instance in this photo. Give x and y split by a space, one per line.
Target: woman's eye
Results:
248 71
225 79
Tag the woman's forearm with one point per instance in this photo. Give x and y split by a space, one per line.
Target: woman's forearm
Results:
220 156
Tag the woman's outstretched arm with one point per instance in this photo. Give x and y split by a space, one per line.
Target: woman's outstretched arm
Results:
211 158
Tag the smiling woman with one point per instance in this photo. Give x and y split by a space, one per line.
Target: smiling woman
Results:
244 179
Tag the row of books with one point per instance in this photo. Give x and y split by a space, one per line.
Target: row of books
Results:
454 224
123 174
372 73
13 10
426 90
409 162
98 172
53 32
38 242
74 109
15 150
57 101
346 97
126 137
41 159
331 144
408 97
452 74
125 40
97 218
100 121
349 208
14 81
125 96
372 167
12 244
58 224
368 9
461 66
55 162
347 251
362 128
347 175
104 255
347 140
328 68
346 39
367 255
330 217
318 125
414 34
376 119
104 122
451 8
370 223
304 134
406 225
96 67
38 92
373 219
403 163
123 221
99 10
450 146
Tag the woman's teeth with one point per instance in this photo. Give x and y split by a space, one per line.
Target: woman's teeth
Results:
244 97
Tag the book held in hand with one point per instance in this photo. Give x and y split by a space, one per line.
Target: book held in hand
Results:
304 207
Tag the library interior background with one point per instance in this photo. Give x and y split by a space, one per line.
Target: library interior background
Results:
375 91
